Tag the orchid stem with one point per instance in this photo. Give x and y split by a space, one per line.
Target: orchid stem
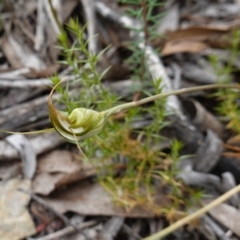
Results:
166 94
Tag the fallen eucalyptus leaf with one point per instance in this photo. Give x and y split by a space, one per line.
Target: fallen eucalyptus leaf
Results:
57 169
91 199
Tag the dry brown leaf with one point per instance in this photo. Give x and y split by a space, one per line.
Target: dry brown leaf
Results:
172 47
91 199
232 147
194 33
235 151
231 154
196 39
59 161
234 140
59 168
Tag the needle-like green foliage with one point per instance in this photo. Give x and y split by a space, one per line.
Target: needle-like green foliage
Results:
130 168
228 107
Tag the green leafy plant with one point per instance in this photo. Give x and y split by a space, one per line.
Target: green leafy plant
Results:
127 161
128 166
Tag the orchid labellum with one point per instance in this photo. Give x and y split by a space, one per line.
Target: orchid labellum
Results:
80 124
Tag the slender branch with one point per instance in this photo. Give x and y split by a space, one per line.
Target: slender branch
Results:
57 25
66 231
163 233
166 94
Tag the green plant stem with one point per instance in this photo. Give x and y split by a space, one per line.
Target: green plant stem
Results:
166 94
163 233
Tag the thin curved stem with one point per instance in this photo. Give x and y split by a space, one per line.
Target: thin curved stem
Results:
32 132
166 94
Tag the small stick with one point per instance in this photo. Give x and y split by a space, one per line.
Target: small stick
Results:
131 232
66 231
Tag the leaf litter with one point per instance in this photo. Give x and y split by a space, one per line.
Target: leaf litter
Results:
186 37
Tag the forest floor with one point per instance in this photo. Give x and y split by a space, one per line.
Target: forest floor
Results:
150 166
